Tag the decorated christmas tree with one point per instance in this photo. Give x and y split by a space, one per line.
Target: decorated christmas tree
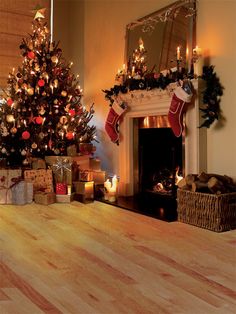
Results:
41 112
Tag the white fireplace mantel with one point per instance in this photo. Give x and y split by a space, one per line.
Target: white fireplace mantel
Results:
154 103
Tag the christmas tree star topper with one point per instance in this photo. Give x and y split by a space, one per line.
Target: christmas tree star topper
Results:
39 12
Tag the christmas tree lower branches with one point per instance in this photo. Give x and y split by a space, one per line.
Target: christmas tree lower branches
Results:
41 112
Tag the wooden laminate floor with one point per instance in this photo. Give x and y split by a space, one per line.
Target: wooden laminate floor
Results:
96 258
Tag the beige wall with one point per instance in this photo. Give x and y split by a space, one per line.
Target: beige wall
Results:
104 41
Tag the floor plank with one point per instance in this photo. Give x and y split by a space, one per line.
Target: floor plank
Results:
96 258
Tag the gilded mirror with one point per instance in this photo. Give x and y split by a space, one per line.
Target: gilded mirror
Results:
167 34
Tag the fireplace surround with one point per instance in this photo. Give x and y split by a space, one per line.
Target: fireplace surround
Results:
156 102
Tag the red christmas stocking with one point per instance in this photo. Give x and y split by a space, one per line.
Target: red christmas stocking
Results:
114 115
178 107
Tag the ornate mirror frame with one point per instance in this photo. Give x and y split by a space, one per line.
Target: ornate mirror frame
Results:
162 32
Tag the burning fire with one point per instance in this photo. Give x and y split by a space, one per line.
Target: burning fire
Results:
166 188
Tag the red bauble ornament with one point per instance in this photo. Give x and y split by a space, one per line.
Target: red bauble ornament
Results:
31 55
69 135
25 135
72 112
41 83
9 102
39 120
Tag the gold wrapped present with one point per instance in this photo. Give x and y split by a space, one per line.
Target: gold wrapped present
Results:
41 179
83 198
82 161
99 176
85 188
38 163
94 164
44 198
67 198
85 175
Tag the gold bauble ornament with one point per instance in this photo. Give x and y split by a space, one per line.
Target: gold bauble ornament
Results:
30 91
54 59
13 130
25 162
23 152
67 108
4 150
37 67
34 145
55 101
10 118
64 93
42 111
63 119
41 135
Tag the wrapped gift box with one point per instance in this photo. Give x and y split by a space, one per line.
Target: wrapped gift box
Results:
45 198
61 188
65 168
22 193
85 175
64 198
99 176
82 161
41 179
94 164
8 178
85 188
83 198
38 163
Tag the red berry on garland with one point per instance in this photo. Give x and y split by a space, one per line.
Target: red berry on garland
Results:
31 55
39 120
9 102
41 83
69 135
25 135
72 112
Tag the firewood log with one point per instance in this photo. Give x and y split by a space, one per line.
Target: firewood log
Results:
190 178
181 183
205 177
199 186
216 186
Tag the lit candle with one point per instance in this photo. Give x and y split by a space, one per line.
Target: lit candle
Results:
69 189
114 183
187 61
197 61
107 185
133 68
178 53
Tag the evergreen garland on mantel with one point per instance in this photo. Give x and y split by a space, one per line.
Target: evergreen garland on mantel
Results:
211 94
211 97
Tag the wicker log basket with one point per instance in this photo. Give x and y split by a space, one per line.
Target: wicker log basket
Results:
209 211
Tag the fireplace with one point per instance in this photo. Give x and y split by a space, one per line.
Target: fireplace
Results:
159 157
155 103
